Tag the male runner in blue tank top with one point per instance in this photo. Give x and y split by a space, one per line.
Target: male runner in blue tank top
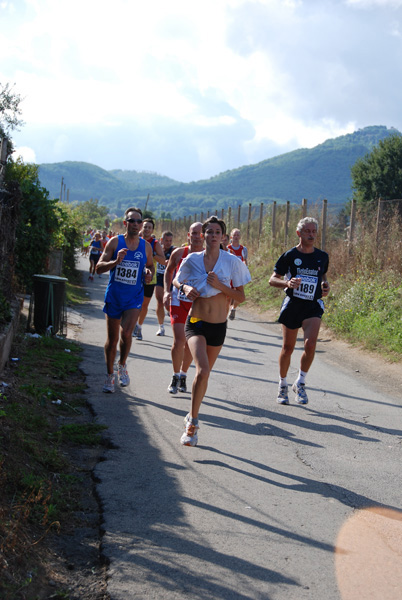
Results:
125 256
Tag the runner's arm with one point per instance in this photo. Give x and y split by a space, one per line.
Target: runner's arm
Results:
149 267
159 255
325 287
169 274
105 262
278 281
234 293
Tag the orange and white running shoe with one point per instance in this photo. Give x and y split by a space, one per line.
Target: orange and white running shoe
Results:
190 436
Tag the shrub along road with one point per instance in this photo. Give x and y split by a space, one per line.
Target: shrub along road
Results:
295 502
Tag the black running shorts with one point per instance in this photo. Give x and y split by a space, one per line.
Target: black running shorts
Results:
214 333
149 290
294 311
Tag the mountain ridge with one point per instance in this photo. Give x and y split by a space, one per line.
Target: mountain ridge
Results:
312 173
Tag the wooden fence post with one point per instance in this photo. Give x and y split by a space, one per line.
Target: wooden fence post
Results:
273 219
352 226
229 218
248 221
223 214
260 223
304 208
324 224
238 216
287 222
379 219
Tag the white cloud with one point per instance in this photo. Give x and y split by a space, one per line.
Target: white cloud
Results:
27 154
231 80
375 3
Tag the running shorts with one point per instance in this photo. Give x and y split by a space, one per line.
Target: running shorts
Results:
149 290
94 258
116 312
214 333
159 279
178 314
294 312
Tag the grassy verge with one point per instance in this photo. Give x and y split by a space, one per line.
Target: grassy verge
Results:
43 420
363 308
367 310
75 292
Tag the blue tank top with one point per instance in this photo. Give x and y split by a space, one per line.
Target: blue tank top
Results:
96 247
126 279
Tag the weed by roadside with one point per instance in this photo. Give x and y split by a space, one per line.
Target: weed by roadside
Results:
49 445
75 293
367 309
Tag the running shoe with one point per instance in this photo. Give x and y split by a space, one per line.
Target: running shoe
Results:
161 330
232 314
135 332
300 391
182 384
172 389
108 386
123 375
139 334
283 395
190 436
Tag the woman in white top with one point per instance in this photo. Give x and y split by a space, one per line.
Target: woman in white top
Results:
211 279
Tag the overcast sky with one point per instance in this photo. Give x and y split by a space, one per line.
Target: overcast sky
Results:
191 88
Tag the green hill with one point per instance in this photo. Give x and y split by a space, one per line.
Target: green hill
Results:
316 173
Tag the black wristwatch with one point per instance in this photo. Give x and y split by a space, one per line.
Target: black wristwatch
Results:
181 288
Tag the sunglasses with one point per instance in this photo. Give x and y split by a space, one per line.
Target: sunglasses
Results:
139 221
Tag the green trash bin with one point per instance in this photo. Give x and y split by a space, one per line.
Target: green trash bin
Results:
49 303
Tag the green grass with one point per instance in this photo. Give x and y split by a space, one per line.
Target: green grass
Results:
367 310
364 308
87 434
75 294
39 486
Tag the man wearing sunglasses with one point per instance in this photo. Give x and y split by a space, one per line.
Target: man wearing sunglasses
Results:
128 257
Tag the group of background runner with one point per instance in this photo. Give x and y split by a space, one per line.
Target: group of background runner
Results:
201 288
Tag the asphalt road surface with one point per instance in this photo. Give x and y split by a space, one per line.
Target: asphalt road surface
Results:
276 502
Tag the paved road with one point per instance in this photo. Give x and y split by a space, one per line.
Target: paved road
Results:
274 502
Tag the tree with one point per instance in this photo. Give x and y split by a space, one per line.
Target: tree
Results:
37 223
9 109
379 173
92 213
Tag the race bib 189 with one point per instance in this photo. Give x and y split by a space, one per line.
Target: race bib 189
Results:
306 289
127 272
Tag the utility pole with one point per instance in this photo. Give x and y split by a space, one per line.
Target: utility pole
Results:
61 190
146 204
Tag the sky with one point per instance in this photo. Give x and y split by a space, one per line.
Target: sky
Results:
193 88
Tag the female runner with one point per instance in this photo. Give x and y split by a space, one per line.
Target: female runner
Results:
211 279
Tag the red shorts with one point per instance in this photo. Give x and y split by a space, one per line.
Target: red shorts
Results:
178 314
